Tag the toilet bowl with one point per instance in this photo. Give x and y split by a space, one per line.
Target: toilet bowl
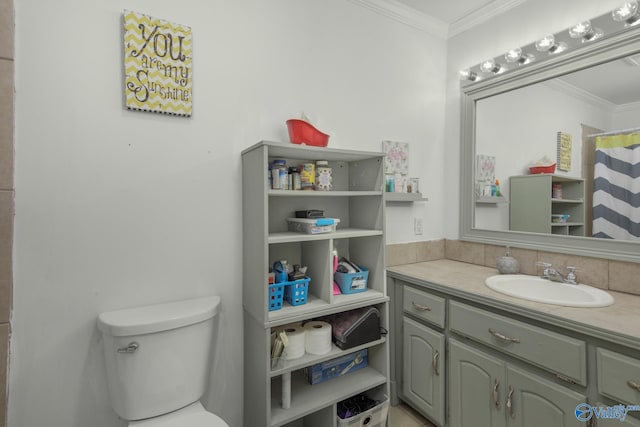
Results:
157 360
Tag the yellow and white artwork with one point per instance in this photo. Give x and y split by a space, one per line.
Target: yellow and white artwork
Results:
158 65
564 151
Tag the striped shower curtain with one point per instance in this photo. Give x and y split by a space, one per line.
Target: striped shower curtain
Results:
616 189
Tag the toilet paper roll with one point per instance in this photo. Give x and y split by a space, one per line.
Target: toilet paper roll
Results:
296 341
317 337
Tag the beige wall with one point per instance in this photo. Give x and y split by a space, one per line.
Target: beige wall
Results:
6 190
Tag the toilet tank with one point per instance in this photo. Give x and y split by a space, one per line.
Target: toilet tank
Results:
157 356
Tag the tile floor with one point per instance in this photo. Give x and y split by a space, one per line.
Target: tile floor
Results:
404 416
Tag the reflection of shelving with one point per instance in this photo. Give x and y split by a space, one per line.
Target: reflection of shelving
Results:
491 200
358 201
531 204
404 197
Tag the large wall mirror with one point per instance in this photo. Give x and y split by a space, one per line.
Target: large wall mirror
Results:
568 105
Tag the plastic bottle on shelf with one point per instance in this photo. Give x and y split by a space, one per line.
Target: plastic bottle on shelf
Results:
279 175
498 193
324 176
307 175
294 179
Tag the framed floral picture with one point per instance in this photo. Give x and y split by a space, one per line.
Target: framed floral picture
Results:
397 159
485 168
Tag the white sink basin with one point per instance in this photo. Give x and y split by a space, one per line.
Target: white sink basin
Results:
537 289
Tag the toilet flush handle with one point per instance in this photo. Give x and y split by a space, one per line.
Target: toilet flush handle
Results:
131 348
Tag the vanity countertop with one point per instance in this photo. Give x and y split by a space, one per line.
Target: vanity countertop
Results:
619 322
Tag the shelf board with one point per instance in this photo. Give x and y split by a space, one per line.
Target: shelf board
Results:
311 359
313 153
567 224
311 193
316 307
491 199
340 233
404 197
576 201
307 399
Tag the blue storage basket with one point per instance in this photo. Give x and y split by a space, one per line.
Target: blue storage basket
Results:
276 292
351 283
295 292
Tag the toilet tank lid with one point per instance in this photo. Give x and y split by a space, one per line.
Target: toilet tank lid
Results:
159 317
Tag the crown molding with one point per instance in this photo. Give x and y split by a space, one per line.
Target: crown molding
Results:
481 15
581 94
630 107
406 15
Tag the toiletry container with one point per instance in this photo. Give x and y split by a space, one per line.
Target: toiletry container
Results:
507 264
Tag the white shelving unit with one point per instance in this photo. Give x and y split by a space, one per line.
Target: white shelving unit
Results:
358 201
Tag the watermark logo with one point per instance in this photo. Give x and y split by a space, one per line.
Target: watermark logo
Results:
584 412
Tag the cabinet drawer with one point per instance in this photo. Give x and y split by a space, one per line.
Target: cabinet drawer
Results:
618 376
423 305
549 350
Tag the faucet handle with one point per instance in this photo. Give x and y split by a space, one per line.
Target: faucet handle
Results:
546 266
571 276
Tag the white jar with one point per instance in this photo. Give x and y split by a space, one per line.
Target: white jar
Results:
324 176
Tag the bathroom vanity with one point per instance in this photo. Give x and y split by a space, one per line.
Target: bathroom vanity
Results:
466 356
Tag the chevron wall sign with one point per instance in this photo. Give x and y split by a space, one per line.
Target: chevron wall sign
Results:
158 65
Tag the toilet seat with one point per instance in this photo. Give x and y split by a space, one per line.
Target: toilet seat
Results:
192 416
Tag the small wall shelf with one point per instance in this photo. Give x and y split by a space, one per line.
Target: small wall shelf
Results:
404 197
491 200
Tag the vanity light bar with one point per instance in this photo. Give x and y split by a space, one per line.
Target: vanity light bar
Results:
609 24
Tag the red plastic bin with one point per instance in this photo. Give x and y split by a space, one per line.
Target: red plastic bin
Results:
534 170
301 132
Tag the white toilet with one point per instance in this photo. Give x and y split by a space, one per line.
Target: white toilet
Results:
157 361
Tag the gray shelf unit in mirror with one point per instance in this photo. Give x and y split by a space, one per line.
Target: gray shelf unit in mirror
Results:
618 41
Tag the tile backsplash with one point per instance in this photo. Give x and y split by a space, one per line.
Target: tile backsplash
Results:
601 273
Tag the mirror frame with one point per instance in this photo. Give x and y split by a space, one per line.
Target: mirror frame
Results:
603 50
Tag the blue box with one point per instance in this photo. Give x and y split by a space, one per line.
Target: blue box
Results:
337 367
351 283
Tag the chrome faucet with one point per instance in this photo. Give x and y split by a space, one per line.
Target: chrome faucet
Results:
550 273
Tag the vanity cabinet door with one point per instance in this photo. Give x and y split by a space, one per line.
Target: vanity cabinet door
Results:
476 388
533 401
423 369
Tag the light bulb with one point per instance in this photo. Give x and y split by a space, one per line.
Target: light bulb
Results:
580 30
515 55
467 74
490 66
548 44
584 31
625 12
545 43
